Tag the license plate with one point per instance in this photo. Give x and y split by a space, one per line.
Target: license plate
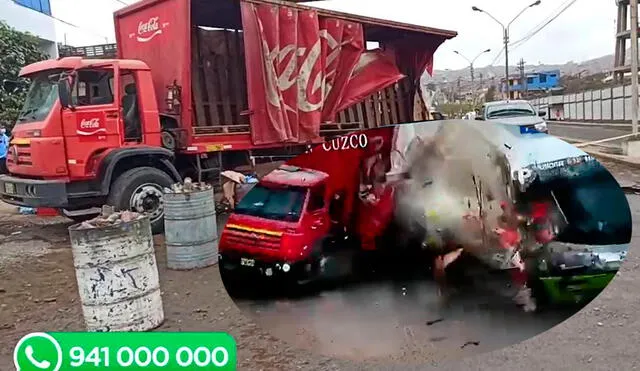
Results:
247 262
9 188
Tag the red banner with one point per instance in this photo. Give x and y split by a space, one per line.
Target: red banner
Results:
300 71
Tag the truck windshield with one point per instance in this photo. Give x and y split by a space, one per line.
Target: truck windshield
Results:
283 204
42 95
510 109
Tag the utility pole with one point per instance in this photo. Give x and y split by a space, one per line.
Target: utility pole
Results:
634 66
505 37
523 78
506 58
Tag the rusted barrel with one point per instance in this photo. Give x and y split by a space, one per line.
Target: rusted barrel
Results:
191 234
117 276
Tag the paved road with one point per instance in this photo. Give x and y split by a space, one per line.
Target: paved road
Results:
587 133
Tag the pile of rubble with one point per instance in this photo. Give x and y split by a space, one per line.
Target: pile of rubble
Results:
188 186
109 217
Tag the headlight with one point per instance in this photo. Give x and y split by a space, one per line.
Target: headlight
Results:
541 126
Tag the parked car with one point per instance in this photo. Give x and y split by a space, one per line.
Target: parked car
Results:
516 112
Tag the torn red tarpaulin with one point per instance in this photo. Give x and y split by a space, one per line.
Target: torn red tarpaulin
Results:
299 71
375 70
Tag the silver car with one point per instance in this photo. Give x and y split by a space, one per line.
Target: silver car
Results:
514 112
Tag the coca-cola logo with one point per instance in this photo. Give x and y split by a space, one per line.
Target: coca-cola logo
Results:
90 126
149 29
149 26
93 123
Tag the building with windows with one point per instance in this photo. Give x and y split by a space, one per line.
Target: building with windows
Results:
539 81
535 82
33 16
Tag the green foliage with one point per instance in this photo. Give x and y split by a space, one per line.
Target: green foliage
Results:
17 49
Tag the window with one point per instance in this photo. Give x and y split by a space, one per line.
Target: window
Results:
41 6
543 78
42 95
93 87
529 80
283 204
316 199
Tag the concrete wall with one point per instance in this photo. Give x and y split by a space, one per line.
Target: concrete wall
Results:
602 105
28 20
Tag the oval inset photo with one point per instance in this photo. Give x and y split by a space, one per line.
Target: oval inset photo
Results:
425 241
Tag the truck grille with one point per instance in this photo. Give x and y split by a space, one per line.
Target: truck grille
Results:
249 237
19 154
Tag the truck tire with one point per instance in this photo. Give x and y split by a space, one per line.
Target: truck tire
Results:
140 190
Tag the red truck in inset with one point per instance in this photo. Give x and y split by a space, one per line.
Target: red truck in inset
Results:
200 87
333 200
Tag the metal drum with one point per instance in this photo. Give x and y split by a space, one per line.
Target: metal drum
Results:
191 234
117 276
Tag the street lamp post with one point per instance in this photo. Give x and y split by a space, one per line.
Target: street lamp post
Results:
472 61
505 36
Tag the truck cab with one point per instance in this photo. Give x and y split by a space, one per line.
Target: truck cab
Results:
84 124
276 226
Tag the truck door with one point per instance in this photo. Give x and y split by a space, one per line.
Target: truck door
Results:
131 123
317 223
92 125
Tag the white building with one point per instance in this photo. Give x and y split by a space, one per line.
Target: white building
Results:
33 16
63 21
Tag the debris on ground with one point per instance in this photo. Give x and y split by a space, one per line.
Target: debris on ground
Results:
188 186
429 323
109 217
236 186
476 343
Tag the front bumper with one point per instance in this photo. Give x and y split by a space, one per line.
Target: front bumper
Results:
32 192
250 266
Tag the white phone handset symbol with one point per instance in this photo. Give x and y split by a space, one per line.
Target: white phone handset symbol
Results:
39 364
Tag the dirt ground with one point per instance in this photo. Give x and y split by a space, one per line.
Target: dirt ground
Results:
38 293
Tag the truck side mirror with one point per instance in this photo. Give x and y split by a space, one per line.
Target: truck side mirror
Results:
542 113
9 85
64 92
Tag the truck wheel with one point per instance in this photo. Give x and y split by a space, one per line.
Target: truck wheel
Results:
140 190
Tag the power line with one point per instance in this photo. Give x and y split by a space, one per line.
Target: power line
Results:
122 2
527 38
536 29
541 24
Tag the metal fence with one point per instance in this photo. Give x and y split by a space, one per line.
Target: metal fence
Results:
602 105
92 51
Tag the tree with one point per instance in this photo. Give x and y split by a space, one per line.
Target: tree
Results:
17 49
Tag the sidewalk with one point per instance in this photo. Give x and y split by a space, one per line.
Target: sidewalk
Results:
624 168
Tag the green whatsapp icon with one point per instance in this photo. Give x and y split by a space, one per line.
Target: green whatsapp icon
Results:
38 352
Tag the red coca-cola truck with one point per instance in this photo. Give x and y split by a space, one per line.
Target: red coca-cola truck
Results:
335 200
202 86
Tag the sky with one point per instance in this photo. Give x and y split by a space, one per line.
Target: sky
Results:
584 31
